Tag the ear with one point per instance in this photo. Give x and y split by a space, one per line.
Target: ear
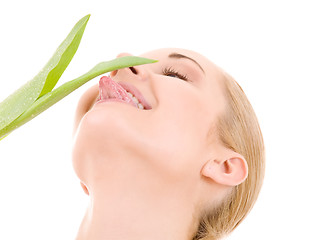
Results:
230 171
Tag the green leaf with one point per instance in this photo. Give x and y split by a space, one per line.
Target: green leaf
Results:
59 93
18 102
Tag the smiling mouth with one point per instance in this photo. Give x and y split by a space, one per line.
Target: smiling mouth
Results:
109 90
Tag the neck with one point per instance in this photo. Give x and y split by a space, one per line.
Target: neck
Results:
135 215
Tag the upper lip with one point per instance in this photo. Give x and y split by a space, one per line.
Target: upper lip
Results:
133 90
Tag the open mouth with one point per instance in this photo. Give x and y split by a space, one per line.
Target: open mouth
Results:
109 90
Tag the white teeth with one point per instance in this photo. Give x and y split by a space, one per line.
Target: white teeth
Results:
140 106
135 100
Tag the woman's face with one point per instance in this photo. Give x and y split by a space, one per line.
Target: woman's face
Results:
168 141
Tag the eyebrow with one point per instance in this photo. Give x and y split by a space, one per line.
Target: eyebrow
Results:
178 55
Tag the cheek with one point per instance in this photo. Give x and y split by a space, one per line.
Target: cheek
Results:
180 128
185 113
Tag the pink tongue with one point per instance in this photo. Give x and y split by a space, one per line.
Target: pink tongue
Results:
109 89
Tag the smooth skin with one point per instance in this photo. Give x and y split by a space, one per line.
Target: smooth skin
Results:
150 173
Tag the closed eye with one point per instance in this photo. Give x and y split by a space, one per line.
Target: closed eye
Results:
170 72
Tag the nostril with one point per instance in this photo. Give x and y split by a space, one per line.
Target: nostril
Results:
133 70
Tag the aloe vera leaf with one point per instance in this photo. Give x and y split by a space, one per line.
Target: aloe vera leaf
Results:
59 93
18 102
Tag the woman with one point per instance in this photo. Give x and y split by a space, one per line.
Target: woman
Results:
180 156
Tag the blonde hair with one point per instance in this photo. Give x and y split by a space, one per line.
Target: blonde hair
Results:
238 129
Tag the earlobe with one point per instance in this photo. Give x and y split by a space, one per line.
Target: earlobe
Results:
230 172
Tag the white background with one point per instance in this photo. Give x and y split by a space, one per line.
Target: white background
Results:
268 46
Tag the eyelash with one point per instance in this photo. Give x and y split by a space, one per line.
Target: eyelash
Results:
170 71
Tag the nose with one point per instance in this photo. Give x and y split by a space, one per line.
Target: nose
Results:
137 71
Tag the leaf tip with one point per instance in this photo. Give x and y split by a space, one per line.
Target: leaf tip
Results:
85 19
149 60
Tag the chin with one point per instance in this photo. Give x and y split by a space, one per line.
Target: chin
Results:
104 134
